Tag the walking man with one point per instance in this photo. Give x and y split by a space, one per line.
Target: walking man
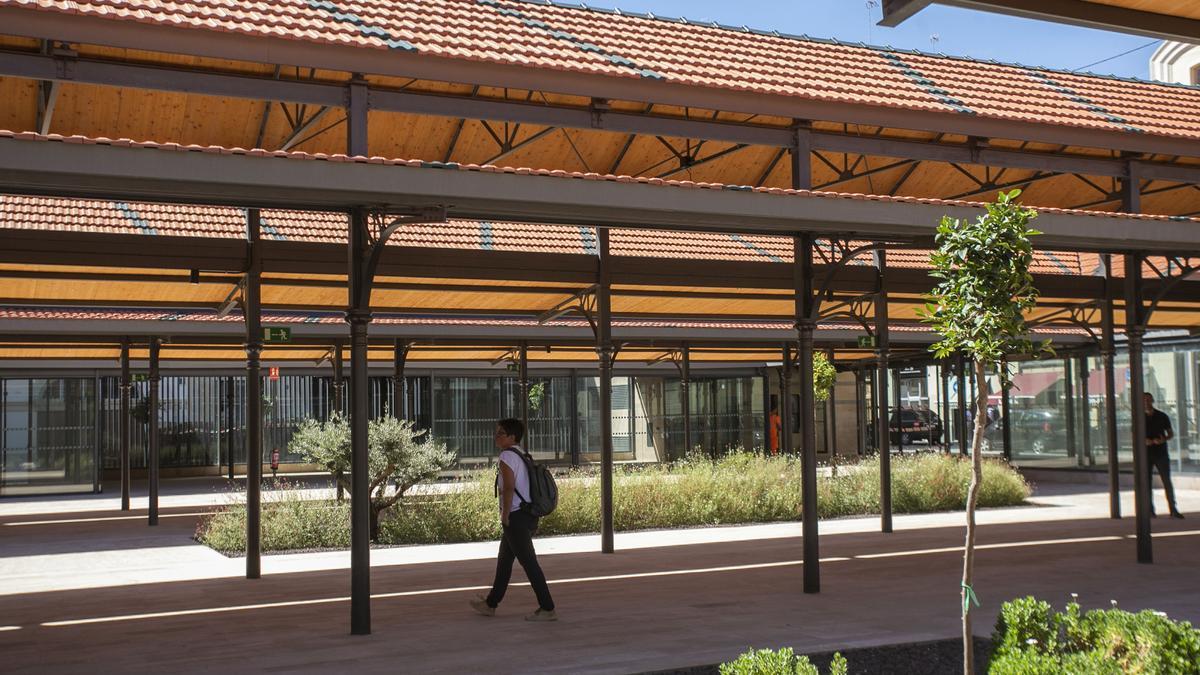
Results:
1158 432
518 525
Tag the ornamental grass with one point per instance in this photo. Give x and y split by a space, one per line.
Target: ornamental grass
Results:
738 488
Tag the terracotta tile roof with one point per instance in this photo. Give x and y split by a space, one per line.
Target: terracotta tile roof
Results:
675 51
89 215
276 317
294 317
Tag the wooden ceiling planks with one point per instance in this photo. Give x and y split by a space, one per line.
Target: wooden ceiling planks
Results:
1187 9
145 115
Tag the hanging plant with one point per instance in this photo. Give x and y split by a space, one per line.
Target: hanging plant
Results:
824 376
537 394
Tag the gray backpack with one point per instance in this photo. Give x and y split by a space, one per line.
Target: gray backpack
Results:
543 491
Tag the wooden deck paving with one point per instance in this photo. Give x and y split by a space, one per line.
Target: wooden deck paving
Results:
642 609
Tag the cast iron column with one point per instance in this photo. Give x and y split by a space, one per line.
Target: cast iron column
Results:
961 366
883 436
1182 425
1134 331
123 425
766 420
358 316
1085 414
831 415
946 413
860 412
685 397
1069 390
152 418
605 353
399 383
1005 408
252 310
339 402
574 415
339 381
523 381
785 402
229 399
1108 352
805 325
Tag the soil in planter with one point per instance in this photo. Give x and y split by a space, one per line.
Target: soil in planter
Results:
940 657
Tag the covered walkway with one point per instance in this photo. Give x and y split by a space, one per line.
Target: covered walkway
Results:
159 601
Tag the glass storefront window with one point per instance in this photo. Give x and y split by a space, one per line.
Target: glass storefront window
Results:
49 439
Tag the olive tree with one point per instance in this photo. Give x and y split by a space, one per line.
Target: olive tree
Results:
978 307
399 455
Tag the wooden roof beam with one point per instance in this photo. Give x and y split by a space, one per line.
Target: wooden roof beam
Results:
97 170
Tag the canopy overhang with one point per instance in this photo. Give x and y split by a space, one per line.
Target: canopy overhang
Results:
1168 19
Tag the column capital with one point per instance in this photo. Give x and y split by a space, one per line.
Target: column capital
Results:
358 316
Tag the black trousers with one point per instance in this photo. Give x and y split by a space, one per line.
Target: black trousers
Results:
1161 462
517 544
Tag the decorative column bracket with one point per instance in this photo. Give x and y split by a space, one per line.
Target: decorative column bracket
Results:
859 308
848 253
381 225
1084 315
583 302
1177 269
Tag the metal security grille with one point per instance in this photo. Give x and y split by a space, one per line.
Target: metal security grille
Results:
49 435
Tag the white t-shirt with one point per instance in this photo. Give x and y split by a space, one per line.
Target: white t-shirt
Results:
514 461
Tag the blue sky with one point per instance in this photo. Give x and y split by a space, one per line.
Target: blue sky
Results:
959 32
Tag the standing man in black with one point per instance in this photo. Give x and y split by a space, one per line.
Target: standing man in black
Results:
1158 432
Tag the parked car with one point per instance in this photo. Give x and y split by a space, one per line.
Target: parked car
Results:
1038 431
908 426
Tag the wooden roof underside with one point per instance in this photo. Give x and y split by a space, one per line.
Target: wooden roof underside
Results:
144 114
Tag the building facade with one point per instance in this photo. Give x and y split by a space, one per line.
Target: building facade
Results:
60 431
1177 62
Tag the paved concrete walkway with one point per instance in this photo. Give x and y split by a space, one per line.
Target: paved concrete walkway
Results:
97 590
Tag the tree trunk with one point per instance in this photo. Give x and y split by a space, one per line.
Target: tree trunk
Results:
967 594
375 523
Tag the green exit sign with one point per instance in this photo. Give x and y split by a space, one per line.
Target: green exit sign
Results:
866 340
277 335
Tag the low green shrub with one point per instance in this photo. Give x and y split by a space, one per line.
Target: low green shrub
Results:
289 522
781 662
738 488
1033 639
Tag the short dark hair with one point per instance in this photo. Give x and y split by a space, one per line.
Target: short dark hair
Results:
512 427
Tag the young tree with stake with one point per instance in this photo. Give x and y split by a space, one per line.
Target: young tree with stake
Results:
979 309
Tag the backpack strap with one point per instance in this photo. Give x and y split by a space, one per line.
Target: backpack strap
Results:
528 460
